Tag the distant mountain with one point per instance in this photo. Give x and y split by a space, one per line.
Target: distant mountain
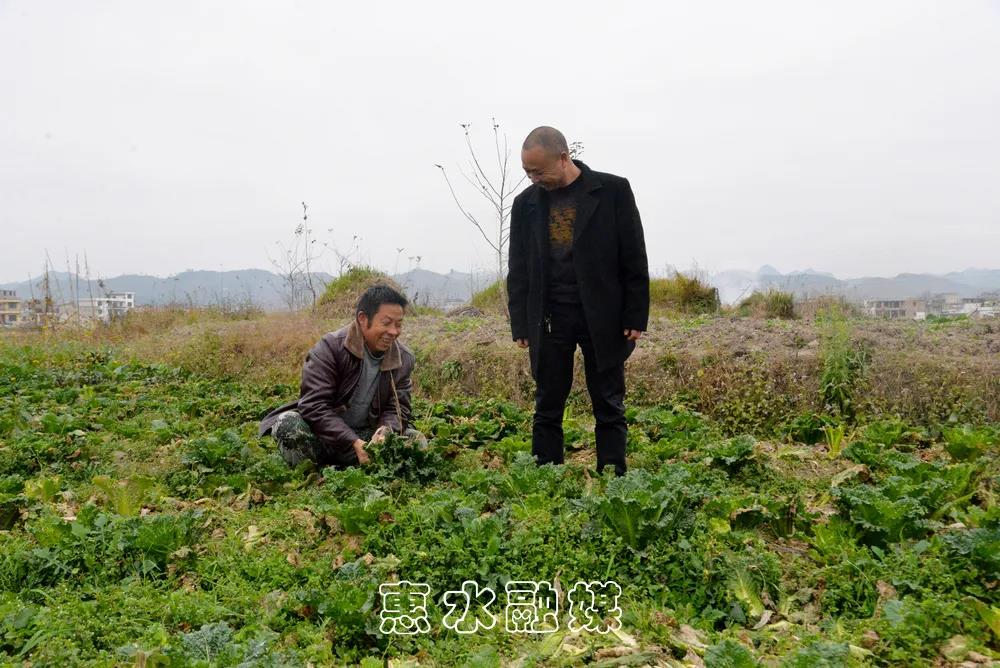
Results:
249 286
735 285
987 279
768 270
911 285
817 273
444 290
264 288
201 288
801 283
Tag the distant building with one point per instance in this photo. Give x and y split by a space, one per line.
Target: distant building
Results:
33 313
112 306
896 309
984 306
945 304
980 309
10 308
115 305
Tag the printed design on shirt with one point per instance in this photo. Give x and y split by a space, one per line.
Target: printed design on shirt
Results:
561 221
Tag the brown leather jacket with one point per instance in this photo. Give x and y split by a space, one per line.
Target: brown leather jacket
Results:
329 378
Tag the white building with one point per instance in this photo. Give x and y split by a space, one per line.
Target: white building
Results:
977 311
112 306
896 309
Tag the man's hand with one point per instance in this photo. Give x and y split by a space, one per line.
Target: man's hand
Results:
633 334
359 450
522 343
380 434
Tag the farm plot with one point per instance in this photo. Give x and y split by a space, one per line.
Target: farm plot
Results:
142 522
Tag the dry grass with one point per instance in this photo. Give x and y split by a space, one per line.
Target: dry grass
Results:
770 304
738 370
813 307
681 293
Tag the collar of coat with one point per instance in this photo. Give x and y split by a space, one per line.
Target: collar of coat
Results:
354 343
537 200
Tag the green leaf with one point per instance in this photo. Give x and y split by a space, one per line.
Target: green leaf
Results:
43 489
966 443
640 506
989 614
823 654
729 654
743 587
733 453
126 496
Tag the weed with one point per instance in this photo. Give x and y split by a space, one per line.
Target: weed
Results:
683 294
770 304
125 497
842 364
808 428
834 439
492 298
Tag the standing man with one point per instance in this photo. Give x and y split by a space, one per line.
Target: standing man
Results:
577 276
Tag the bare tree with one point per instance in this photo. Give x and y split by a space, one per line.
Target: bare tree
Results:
294 265
86 268
296 262
395 269
308 252
52 303
496 185
349 259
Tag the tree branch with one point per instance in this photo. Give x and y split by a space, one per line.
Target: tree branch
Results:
469 216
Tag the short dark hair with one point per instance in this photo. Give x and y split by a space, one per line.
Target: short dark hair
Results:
550 139
377 295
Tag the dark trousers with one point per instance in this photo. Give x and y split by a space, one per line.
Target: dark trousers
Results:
554 378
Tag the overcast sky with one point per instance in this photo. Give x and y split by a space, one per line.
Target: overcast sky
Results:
856 137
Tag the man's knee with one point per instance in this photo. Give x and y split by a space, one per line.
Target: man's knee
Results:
291 426
550 404
296 441
610 415
608 403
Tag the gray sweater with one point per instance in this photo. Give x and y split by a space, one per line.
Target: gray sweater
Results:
356 416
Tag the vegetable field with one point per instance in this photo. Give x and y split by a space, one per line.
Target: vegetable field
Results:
143 523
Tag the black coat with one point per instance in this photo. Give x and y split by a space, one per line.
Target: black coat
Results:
609 255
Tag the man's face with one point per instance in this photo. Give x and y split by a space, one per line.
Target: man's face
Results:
384 327
546 170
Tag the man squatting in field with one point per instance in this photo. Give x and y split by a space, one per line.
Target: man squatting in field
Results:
577 276
355 389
